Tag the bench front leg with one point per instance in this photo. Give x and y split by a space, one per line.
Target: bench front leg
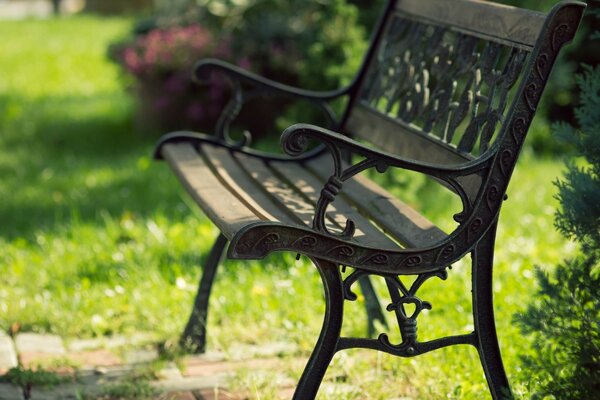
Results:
326 347
483 317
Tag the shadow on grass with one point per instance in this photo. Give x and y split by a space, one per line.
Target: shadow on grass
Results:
68 157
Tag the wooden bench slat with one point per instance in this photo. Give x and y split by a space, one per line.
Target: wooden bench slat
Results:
394 216
303 210
389 134
217 202
339 211
481 18
248 191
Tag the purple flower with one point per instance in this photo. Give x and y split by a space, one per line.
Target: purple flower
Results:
195 112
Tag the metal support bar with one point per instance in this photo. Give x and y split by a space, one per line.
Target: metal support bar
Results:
194 334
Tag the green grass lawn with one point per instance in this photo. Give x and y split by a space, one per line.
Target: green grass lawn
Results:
96 238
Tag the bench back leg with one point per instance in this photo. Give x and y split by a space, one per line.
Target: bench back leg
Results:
372 306
194 335
483 317
326 347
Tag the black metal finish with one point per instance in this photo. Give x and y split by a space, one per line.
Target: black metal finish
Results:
472 95
194 334
483 317
325 349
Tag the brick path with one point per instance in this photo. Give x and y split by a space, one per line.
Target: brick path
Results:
90 366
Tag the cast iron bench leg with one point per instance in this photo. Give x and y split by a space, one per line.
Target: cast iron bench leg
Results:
194 334
483 317
330 333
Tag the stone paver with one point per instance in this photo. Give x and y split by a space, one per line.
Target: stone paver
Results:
10 392
37 343
169 372
193 383
195 368
178 396
92 364
60 392
138 356
55 362
217 394
8 355
94 358
112 342
240 352
35 349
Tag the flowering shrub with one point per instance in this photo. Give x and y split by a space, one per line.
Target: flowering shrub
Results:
160 63
315 45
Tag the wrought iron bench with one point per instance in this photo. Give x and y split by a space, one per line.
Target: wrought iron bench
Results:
447 89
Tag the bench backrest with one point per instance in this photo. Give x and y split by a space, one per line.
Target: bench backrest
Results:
442 77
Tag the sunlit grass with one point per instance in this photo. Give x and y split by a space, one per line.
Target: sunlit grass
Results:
96 238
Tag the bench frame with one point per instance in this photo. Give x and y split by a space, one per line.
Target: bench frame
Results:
481 183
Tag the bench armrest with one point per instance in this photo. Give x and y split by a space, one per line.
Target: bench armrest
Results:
294 141
247 86
205 67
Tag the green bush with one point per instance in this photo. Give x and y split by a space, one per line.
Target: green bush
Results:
565 319
160 62
565 325
316 45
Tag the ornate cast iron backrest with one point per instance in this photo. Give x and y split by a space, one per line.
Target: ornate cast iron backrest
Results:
438 85
458 82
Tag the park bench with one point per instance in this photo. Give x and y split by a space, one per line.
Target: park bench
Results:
448 88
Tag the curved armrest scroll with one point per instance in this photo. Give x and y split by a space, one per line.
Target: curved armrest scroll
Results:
247 86
294 142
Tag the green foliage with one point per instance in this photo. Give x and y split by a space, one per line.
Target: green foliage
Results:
579 192
560 96
317 44
160 63
130 389
28 378
565 324
565 318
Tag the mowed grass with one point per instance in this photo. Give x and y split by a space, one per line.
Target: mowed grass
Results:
96 238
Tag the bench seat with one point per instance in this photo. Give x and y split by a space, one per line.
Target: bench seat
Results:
235 190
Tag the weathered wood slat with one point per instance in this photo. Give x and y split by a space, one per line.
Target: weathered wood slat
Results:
217 202
339 211
248 191
393 215
481 18
390 135
281 192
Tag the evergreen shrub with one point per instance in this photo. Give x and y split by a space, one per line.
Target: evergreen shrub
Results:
564 319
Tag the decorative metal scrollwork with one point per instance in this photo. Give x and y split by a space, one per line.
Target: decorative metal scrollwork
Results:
402 297
452 85
246 87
